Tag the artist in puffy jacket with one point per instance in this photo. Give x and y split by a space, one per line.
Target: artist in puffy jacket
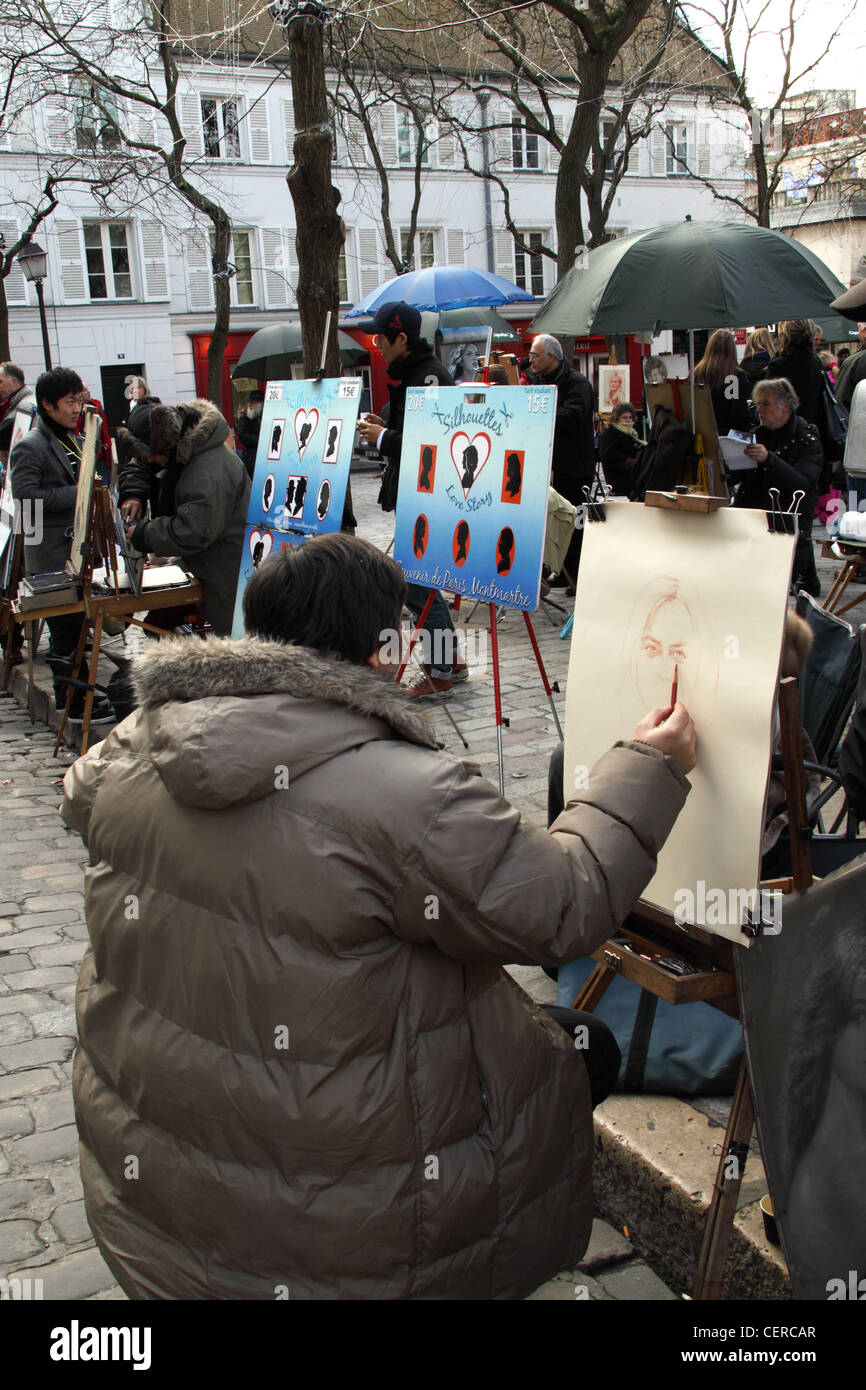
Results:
788 455
331 1086
202 491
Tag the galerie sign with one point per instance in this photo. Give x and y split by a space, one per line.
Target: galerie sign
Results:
302 467
474 480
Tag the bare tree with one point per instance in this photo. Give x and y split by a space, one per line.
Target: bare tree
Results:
67 49
776 127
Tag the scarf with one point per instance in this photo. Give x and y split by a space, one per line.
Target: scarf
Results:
627 429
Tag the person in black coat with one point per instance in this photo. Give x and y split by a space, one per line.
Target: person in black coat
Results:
619 447
410 362
573 435
248 427
799 365
760 350
788 456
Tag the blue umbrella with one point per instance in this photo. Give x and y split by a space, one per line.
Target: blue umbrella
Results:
442 287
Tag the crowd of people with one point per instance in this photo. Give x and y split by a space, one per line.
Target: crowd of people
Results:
339 1092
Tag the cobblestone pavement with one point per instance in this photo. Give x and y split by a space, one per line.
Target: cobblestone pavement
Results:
43 1230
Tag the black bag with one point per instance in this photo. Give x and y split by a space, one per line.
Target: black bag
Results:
390 481
660 467
834 421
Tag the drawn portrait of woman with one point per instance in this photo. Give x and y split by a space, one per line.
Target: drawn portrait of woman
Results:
668 629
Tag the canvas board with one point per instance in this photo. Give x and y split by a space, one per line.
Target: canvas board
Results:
707 593
472 501
84 493
302 468
803 1007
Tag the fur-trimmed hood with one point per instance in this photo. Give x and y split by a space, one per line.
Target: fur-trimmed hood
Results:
188 428
220 722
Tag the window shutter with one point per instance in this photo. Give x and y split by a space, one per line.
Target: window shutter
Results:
503 243
446 149
356 141
57 118
659 151
504 115
259 132
16 284
276 262
294 269
387 130
455 252
141 126
199 272
153 261
368 254
190 119
289 129
703 150
73 283
553 155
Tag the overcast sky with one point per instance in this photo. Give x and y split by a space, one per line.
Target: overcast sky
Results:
845 65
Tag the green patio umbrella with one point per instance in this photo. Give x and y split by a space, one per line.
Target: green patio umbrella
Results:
270 353
690 275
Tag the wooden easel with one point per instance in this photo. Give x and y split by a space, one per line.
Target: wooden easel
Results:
653 932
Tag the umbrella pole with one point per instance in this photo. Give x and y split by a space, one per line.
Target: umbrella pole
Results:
692 373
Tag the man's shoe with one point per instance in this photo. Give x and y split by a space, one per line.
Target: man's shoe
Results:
427 687
459 672
101 713
559 581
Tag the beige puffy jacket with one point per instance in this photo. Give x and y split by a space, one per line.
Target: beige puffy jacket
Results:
293 1015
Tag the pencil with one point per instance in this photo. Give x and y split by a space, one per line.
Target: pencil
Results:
675 684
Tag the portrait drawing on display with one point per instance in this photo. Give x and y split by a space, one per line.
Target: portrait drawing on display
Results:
323 501
505 550
333 431
461 543
427 468
268 492
512 478
420 535
276 440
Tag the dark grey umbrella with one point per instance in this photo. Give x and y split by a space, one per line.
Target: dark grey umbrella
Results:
270 353
690 275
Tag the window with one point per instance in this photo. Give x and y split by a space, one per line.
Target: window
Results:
608 144
343 277
106 249
95 129
240 258
219 121
407 140
677 154
524 146
421 253
529 269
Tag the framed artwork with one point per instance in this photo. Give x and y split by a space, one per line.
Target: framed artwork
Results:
612 388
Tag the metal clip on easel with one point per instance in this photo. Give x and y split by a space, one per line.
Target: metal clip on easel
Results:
779 521
595 511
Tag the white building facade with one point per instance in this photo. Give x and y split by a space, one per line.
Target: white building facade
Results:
133 293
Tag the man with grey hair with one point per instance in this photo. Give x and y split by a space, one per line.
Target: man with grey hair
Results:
15 395
574 433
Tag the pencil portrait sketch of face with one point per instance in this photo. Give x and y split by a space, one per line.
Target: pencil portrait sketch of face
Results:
668 629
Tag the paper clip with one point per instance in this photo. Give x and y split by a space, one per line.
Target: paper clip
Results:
795 503
775 510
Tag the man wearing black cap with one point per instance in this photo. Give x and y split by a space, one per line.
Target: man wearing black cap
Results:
411 362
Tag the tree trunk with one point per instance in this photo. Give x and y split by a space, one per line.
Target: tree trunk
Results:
222 303
5 353
574 164
320 230
761 185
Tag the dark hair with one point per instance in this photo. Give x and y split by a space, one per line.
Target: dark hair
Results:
336 594
12 369
54 385
624 408
256 396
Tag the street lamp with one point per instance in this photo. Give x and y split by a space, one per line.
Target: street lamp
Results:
34 262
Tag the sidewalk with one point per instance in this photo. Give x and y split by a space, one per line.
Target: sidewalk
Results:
656 1157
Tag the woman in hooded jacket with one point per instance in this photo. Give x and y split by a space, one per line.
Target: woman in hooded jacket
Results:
330 1084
